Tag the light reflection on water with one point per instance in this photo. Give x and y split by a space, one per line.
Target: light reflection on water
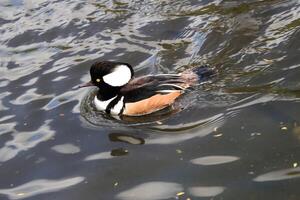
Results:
157 190
279 175
39 187
23 141
240 129
214 160
66 148
210 191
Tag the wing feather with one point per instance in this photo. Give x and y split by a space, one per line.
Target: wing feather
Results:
148 86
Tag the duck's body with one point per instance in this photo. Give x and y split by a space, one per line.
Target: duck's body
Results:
121 94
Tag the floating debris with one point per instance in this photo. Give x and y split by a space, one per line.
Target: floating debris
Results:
119 152
295 165
180 194
218 135
179 151
255 134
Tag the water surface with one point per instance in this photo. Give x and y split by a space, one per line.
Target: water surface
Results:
235 137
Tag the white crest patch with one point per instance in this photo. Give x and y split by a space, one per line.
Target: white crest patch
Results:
119 77
102 105
118 107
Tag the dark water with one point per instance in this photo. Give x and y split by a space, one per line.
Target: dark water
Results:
236 137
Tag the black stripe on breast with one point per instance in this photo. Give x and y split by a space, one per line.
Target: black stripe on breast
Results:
113 103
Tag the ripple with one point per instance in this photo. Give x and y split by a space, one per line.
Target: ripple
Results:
2 95
23 141
7 117
255 101
214 160
40 187
4 83
32 56
59 78
279 175
63 99
218 119
6 127
31 82
29 96
151 191
203 128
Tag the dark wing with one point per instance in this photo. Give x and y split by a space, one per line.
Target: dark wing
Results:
148 86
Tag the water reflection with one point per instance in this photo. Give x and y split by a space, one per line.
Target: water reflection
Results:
6 127
151 191
23 141
107 155
119 152
204 191
120 137
214 160
36 187
29 96
66 148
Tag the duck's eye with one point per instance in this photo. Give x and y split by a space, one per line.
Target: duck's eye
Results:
98 80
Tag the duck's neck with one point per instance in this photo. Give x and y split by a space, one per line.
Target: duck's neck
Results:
104 95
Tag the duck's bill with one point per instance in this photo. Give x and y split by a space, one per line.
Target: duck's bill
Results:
88 84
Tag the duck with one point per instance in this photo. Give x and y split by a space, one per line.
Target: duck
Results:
120 93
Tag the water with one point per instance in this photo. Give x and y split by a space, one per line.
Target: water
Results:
235 137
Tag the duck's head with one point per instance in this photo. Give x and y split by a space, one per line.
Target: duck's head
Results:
109 77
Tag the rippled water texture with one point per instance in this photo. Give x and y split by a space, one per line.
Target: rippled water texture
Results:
236 137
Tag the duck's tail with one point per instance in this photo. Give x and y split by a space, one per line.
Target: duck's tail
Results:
204 73
198 75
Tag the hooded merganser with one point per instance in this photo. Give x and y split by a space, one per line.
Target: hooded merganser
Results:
121 94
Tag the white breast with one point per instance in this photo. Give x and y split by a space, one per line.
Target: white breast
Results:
118 107
102 105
